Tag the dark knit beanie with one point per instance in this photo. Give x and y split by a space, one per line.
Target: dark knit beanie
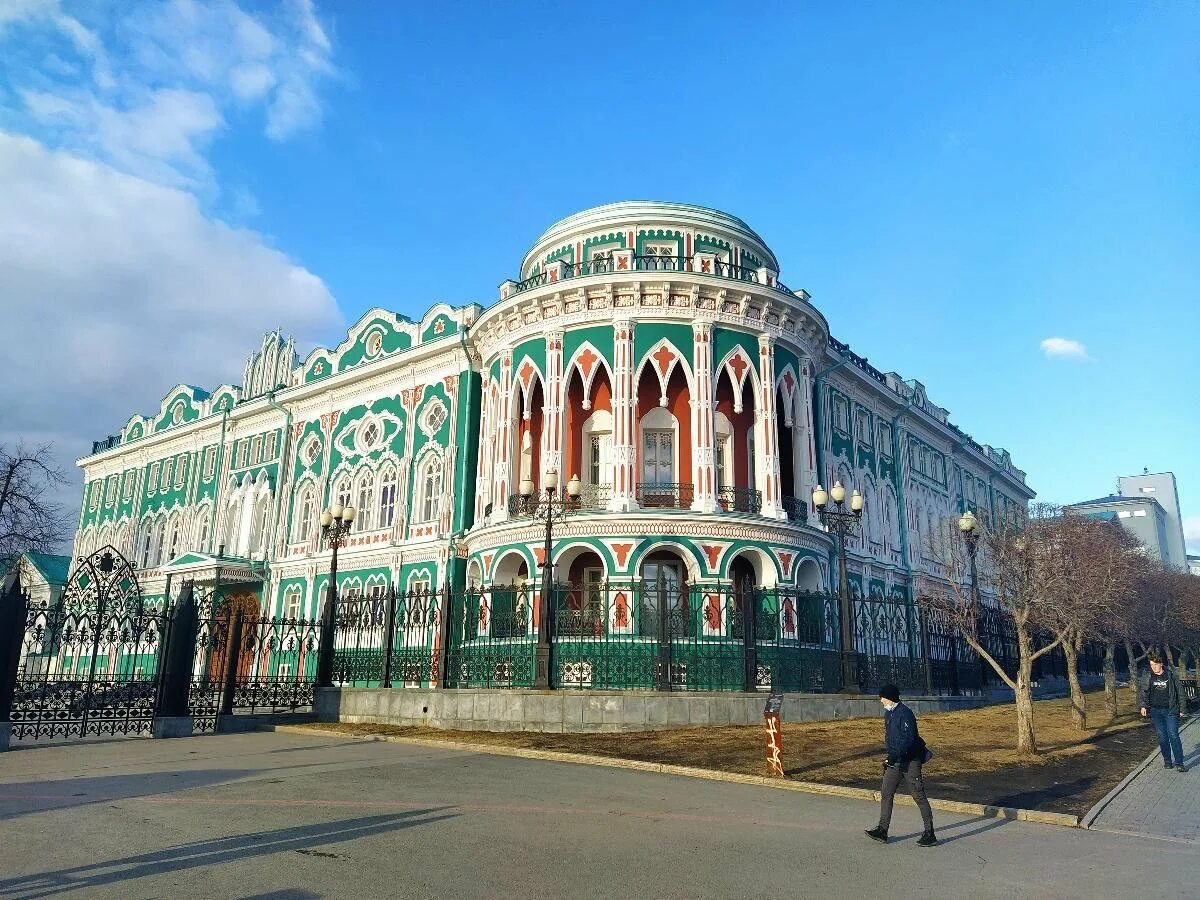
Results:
890 692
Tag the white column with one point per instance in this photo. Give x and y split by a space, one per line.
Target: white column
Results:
552 417
768 434
703 470
624 405
503 426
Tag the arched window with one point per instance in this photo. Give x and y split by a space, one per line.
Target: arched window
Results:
175 532
342 493
430 487
365 519
203 524
258 525
147 544
387 499
306 511
160 537
233 520
291 602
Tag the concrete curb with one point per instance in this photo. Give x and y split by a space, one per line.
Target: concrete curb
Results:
807 787
1090 817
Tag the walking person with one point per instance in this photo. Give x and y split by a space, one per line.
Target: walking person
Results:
906 754
1161 698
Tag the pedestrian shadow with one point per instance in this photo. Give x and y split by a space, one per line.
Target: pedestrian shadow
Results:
218 851
284 894
990 823
825 763
1034 799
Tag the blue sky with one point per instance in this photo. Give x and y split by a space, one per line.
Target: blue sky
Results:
953 184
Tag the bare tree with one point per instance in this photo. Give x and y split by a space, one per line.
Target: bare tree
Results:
1100 563
29 520
1017 572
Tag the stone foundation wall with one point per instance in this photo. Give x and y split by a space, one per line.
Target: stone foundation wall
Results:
593 711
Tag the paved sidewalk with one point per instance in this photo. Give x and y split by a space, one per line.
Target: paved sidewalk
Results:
1160 802
264 815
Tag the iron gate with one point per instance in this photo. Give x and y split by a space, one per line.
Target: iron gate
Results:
88 663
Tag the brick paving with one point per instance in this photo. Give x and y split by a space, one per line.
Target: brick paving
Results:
1160 802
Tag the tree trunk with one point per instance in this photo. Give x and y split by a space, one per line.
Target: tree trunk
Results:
1131 664
1078 703
1110 681
1023 695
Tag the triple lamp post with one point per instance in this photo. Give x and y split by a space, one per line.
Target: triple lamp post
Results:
335 525
552 509
842 519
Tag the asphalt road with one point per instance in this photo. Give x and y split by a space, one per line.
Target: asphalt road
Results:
286 815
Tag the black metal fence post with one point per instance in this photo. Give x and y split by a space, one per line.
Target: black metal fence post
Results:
750 638
233 649
443 679
389 633
178 656
14 607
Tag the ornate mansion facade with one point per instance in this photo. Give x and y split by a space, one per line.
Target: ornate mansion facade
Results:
648 348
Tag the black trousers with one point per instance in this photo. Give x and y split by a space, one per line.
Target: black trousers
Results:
911 773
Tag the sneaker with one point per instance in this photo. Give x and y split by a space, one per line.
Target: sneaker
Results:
928 839
1167 765
1181 768
878 834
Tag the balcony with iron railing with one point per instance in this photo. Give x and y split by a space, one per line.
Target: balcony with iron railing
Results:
591 497
603 265
739 499
795 509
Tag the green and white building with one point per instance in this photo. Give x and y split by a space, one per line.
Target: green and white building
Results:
649 348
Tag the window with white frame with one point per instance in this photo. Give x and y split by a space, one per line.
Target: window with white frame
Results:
597 448
256 450
180 471
164 482
365 519
210 463
291 602
885 438
127 485
110 491
367 437
272 442
430 480
658 446
147 545
342 493
174 539
258 525
243 451
152 480
387 499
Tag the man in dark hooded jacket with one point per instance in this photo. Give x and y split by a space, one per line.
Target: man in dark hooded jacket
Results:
906 754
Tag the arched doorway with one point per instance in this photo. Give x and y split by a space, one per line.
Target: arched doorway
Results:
236 619
507 615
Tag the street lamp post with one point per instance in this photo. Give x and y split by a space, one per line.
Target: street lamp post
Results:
335 525
552 510
968 527
842 519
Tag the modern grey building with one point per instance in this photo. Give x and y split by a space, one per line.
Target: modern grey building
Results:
1161 487
1140 516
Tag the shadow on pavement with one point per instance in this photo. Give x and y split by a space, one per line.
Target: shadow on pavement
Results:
990 823
28 797
300 838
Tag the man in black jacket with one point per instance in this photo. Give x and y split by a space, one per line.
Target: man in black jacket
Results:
1161 699
906 753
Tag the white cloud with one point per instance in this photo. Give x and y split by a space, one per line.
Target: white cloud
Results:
1191 533
115 288
1064 348
160 78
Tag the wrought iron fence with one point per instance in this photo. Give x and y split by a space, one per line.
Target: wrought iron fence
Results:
645 634
650 262
388 640
249 663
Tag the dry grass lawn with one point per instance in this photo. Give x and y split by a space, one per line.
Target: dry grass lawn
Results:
974 759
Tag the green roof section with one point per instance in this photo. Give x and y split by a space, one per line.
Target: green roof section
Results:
53 567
